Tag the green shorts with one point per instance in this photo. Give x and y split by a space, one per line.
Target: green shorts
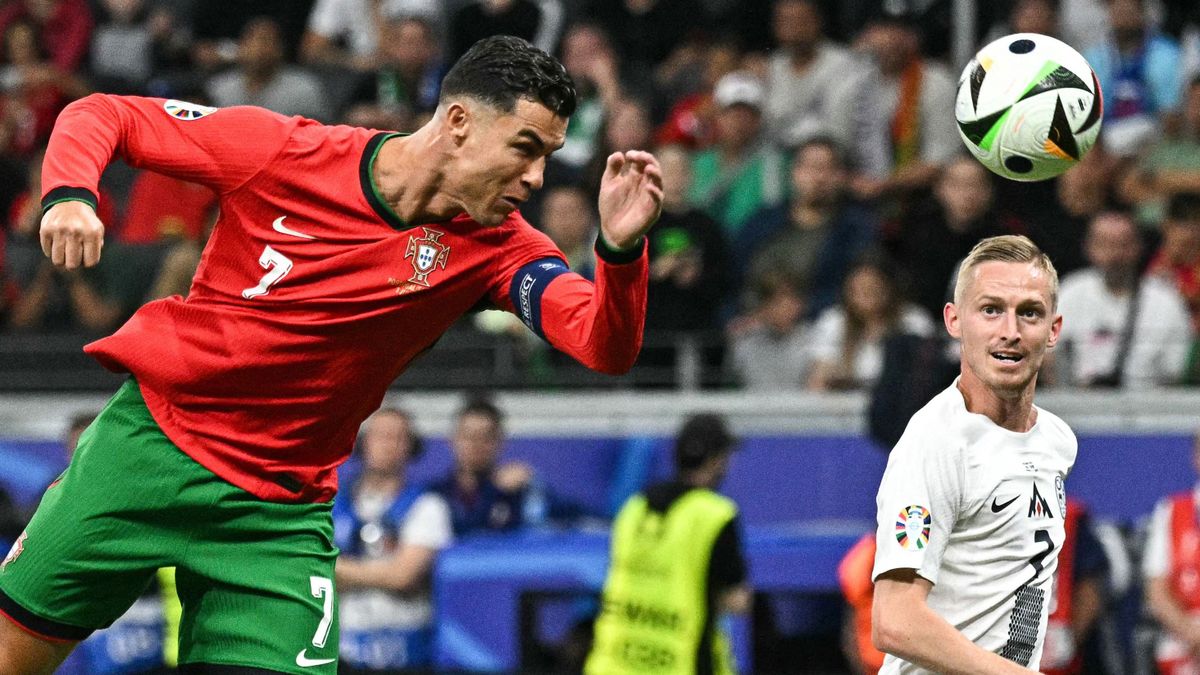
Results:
255 577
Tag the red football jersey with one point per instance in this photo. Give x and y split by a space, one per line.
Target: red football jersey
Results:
312 295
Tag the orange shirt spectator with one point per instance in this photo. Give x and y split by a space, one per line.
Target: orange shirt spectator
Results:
854 575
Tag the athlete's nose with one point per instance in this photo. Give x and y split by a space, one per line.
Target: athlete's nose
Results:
532 178
1009 327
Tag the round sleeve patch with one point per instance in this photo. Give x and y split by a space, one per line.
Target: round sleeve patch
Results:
182 110
912 527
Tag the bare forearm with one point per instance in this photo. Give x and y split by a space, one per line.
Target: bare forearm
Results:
1164 607
384 574
922 637
1087 607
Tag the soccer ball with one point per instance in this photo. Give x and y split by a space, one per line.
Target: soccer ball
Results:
1028 106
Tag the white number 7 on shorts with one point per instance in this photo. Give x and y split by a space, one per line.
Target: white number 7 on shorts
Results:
322 588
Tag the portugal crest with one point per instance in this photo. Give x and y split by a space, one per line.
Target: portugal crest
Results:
427 254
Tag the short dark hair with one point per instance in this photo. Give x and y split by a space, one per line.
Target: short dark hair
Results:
500 69
483 406
702 437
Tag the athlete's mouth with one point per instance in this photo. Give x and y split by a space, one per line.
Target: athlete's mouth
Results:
1008 357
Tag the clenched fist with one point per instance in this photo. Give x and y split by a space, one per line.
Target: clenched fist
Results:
72 234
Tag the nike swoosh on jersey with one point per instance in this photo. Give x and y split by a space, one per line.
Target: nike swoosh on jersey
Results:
279 227
997 508
304 662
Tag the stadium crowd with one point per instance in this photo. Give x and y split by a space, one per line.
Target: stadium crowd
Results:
817 195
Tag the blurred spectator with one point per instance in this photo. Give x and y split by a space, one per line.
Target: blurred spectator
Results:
818 233
590 60
179 263
65 300
1178 258
645 32
567 220
1138 69
801 73
1171 569
676 549
133 41
742 172
34 89
1029 16
627 126
539 21
942 230
847 340
1172 162
63 28
350 33
406 81
389 532
854 576
1120 330
1056 214
691 119
892 115
485 496
1081 593
163 208
771 349
217 28
263 79
688 257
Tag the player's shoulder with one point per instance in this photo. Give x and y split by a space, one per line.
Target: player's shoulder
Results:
936 431
313 138
1059 433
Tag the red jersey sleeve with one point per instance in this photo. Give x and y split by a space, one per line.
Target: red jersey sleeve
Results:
221 148
599 324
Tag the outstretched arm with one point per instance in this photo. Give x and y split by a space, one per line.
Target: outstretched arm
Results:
903 625
599 324
219 148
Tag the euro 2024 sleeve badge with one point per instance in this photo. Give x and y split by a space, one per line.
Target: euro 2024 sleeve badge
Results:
912 527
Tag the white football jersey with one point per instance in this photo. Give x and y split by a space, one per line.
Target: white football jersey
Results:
978 511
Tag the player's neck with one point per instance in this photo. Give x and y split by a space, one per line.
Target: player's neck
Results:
406 172
1014 411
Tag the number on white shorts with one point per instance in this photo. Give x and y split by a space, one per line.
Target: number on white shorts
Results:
277 266
322 588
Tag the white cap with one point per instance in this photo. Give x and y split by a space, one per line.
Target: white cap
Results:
739 87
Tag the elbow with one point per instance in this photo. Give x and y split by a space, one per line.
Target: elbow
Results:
888 632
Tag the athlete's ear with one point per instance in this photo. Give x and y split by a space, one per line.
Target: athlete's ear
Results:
950 318
458 121
1055 331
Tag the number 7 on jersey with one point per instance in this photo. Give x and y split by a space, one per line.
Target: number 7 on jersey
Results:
277 266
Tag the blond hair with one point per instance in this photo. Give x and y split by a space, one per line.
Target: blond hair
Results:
1006 248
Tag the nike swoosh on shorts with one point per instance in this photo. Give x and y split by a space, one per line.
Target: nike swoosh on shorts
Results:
303 661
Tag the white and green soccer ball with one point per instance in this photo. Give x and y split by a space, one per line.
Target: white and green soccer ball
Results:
1028 106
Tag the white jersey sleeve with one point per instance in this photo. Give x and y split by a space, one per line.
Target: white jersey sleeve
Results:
428 523
1156 562
918 502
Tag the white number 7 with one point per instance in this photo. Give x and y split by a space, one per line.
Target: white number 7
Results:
322 588
277 266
